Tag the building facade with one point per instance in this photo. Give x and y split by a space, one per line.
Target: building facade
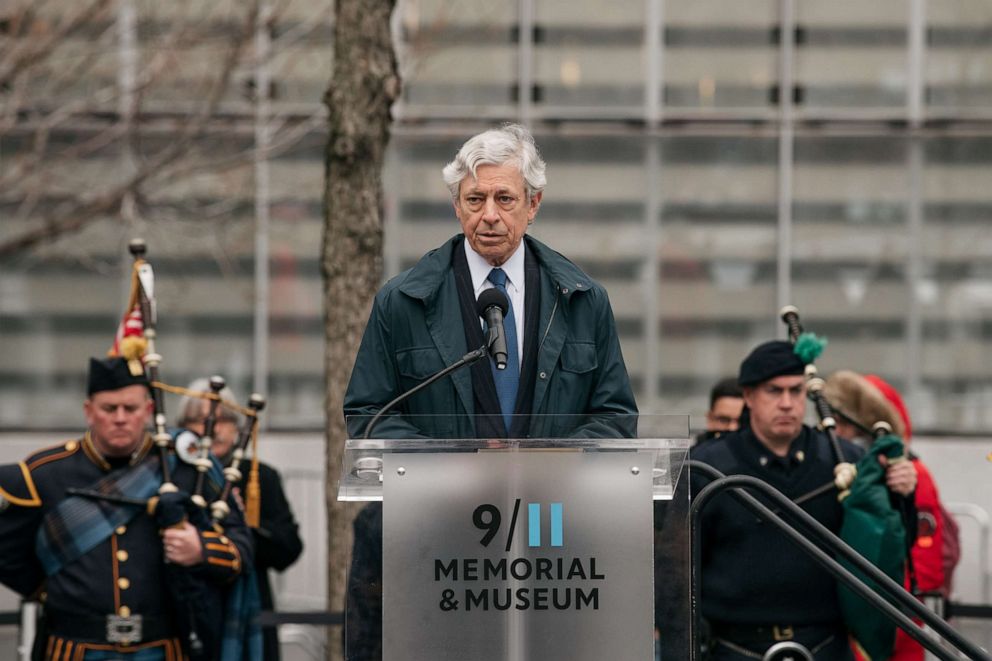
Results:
709 162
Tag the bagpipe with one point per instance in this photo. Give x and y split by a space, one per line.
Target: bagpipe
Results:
809 347
195 449
135 342
214 622
871 525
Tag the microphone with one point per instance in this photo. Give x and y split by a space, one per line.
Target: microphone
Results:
492 307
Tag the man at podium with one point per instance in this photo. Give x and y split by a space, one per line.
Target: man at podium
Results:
562 352
556 351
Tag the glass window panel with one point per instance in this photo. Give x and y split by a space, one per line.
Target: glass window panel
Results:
458 58
719 55
958 75
183 49
716 255
851 54
585 58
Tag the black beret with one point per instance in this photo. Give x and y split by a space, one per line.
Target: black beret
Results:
112 374
768 360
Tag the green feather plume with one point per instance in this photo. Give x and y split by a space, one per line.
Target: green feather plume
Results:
809 347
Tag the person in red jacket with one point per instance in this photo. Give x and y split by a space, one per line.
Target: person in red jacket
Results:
859 402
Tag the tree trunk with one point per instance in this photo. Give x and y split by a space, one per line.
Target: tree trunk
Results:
364 85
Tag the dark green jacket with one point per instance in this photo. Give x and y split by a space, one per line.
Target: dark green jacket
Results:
415 329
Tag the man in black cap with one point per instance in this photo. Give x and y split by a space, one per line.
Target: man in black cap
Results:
73 533
758 590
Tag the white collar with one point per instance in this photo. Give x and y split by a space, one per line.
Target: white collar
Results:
480 268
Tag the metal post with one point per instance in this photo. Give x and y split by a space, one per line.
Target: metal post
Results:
916 39
127 53
393 164
654 54
525 60
651 272
651 267
263 45
914 271
914 202
785 157
127 59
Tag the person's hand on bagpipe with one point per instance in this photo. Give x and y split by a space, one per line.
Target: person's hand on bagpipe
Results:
181 521
900 474
182 545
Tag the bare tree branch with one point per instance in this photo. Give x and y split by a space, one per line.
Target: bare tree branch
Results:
72 216
25 53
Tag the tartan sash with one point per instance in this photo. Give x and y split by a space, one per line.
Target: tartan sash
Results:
242 634
78 524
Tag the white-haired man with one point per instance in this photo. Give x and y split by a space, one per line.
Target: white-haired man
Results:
565 374
563 354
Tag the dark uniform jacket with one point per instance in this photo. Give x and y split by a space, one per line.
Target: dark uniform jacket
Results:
123 574
751 574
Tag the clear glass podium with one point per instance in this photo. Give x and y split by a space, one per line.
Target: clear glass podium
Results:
571 543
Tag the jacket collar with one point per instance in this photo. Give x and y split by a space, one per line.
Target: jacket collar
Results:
89 449
425 278
568 277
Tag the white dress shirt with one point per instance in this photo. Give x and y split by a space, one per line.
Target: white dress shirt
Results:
514 269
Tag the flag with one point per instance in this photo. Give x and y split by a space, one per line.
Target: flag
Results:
130 342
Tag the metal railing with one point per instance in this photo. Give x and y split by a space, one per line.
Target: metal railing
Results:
981 518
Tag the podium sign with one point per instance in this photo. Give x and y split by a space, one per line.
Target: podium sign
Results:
517 555
568 544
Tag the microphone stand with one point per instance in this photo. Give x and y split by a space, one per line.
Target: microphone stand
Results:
468 359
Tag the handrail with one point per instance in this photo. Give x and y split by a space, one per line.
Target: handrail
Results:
981 517
738 482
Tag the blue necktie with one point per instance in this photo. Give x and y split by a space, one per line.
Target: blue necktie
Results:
508 379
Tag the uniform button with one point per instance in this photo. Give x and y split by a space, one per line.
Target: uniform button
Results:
800 455
121 530
123 583
122 556
223 540
124 611
763 461
71 445
564 290
543 375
